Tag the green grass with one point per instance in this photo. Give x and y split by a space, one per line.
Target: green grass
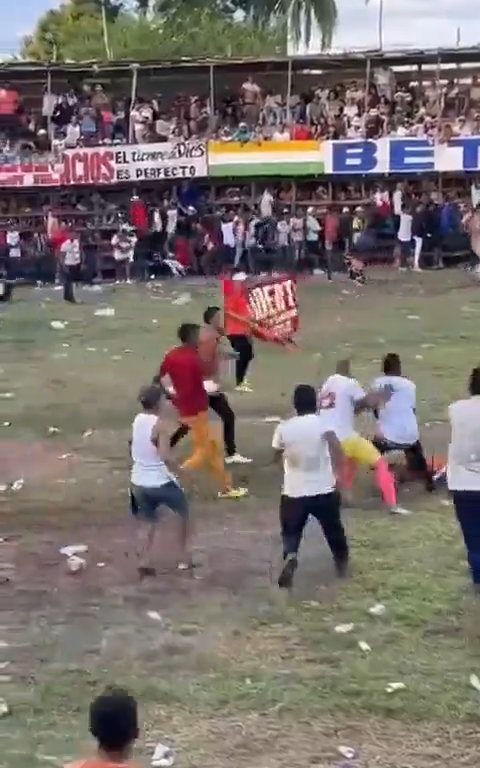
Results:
237 674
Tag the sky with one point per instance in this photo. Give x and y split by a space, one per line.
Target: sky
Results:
415 23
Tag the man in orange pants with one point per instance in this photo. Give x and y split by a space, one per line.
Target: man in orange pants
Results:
183 367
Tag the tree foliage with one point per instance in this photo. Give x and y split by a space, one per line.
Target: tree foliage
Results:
175 28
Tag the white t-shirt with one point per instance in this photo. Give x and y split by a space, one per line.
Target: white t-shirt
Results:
397 200
313 229
227 233
306 458
172 218
336 401
405 228
13 242
71 252
297 225
148 470
123 247
72 135
283 233
266 205
463 470
281 136
397 420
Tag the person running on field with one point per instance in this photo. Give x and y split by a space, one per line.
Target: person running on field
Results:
312 457
340 398
397 425
183 367
211 355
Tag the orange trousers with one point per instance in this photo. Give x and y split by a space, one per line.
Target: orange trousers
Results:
207 450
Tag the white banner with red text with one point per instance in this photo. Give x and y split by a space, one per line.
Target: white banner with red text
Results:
124 163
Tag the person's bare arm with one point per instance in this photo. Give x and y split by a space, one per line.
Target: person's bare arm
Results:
161 440
373 400
336 452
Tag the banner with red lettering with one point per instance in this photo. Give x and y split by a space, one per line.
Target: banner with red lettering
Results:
267 305
135 163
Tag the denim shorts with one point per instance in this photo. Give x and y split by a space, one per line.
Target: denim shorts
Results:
146 502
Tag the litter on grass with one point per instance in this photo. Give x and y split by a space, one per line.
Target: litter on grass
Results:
4 708
272 420
364 646
413 317
394 687
75 564
347 752
58 325
104 312
344 629
154 615
184 298
379 609
163 757
87 433
6 395
74 549
53 430
475 682
18 484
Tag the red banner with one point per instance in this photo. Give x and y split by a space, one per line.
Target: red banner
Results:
268 305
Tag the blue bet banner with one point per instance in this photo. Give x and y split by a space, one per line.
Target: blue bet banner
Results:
401 156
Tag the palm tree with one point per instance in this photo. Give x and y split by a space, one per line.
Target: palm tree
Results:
301 16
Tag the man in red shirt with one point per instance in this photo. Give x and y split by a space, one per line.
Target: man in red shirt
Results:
183 366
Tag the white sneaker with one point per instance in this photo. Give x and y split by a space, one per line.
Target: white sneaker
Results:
417 269
396 510
237 458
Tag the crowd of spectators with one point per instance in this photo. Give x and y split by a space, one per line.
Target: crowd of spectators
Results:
90 114
205 238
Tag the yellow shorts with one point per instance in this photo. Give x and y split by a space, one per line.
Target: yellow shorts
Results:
360 450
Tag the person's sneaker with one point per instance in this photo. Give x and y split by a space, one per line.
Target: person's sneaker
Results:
290 565
396 510
237 458
233 493
417 269
243 387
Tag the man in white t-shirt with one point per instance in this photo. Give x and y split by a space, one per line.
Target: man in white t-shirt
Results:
71 259
397 425
404 236
339 399
312 456
397 204
123 245
266 204
152 484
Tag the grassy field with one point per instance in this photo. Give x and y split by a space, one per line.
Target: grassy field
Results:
235 674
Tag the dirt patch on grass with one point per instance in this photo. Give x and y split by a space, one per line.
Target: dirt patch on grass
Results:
32 460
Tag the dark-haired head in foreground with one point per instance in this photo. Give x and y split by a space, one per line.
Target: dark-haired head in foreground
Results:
114 724
474 382
304 399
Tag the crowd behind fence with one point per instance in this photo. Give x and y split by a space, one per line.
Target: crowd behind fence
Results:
89 108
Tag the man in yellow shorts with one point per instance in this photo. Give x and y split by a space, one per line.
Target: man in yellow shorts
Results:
340 398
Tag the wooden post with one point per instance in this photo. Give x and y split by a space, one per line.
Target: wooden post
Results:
289 91
212 96
49 93
367 81
133 97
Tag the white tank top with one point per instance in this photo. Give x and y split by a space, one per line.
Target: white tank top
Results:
148 468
